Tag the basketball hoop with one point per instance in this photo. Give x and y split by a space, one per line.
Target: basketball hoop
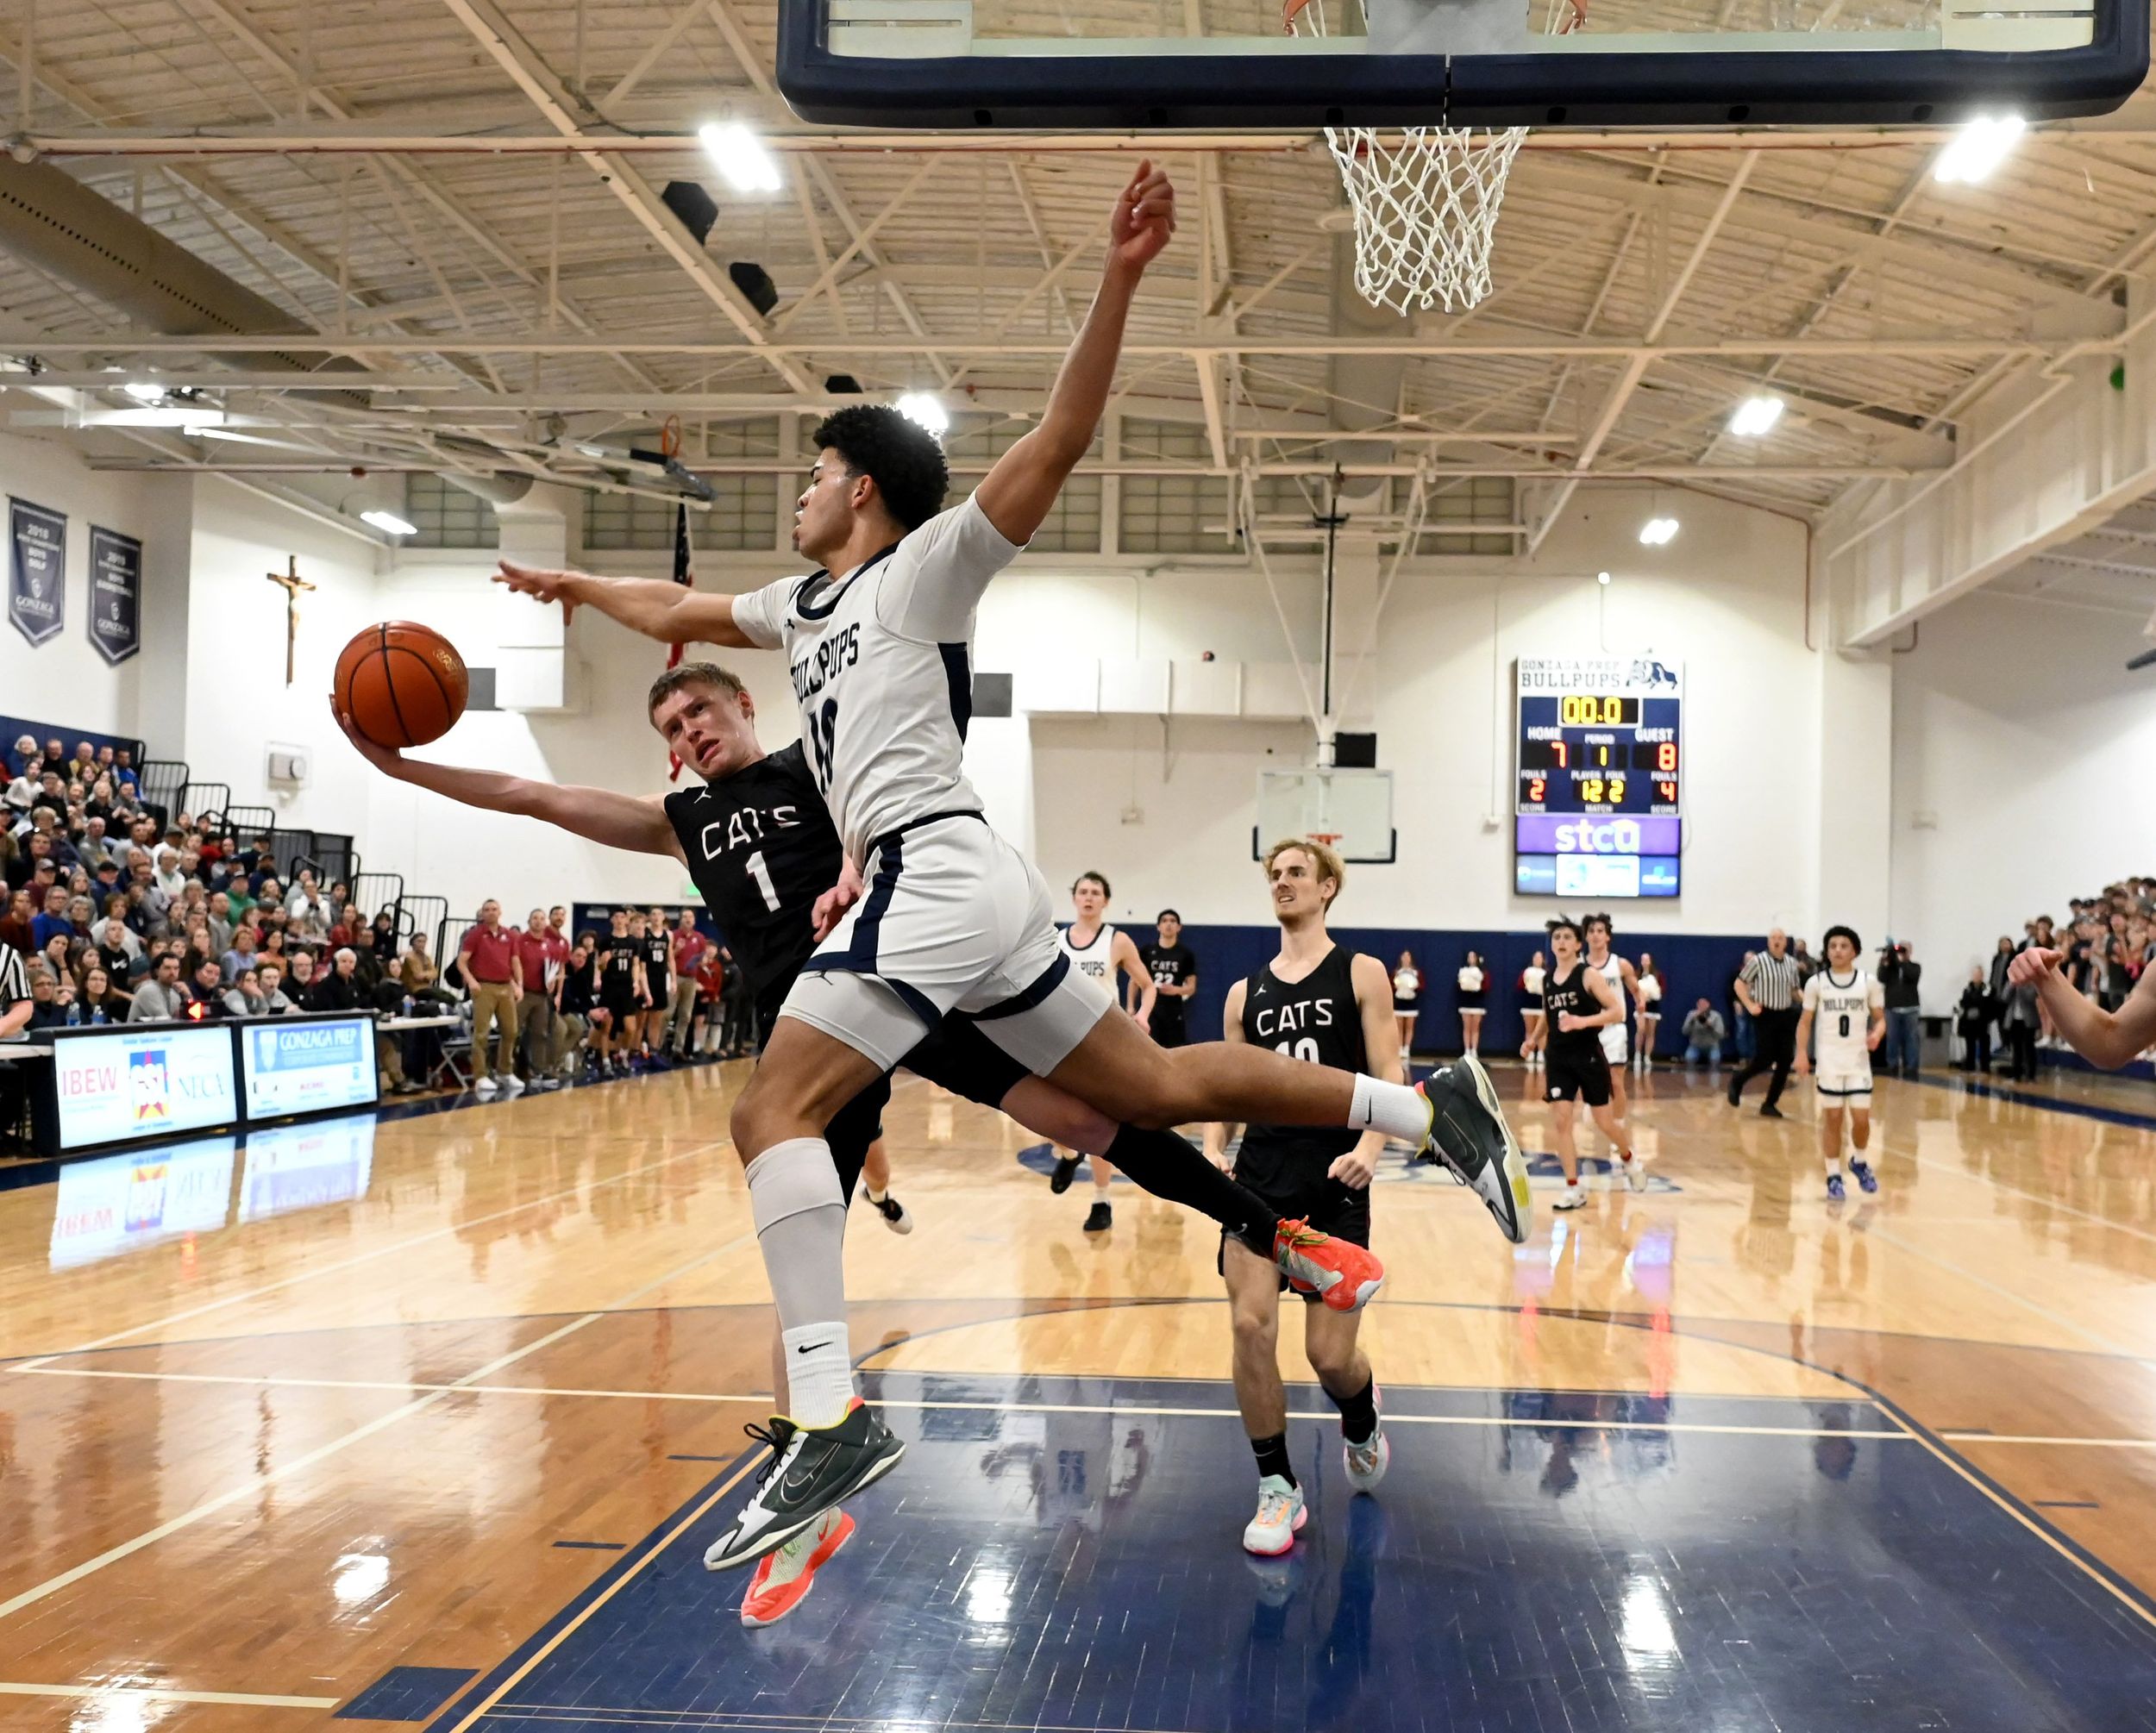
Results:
1326 839
1426 199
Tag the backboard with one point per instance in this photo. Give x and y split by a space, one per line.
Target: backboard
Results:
1352 811
1016 64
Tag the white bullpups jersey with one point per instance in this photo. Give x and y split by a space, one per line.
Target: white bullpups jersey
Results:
1097 960
1841 1012
883 671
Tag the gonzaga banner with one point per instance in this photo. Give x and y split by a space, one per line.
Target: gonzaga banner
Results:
37 570
115 594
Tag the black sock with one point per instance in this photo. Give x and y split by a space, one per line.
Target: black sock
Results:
1272 1457
1175 1168
1358 1412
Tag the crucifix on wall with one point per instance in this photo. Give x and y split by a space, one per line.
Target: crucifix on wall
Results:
292 583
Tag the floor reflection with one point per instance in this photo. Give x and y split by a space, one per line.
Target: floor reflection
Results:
1062 1552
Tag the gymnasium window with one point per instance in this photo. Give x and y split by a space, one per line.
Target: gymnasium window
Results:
447 517
1073 525
743 512
1471 499
1172 514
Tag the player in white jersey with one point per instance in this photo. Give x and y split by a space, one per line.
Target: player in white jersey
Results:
942 915
1616 1042
1095 948
1847 1010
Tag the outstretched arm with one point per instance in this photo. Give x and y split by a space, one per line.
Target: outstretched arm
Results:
1021 487
637 822
672 613
2106 1038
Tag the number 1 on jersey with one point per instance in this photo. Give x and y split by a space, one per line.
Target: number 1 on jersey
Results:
761 874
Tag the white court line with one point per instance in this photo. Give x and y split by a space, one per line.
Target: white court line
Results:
252 1486
2032 1438
1125 1408
314 1270
152 1693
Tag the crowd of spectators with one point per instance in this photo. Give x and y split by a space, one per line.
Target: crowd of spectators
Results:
2106 940
121 913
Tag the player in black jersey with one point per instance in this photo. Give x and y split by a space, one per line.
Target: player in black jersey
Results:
759 844
1174 966
621 992
1579 1002
657 936
1316 1002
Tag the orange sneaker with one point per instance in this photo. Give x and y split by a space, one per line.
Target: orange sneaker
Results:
1343 1274
784 1577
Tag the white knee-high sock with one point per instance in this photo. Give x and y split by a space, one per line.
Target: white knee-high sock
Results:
800 1227
1391 1108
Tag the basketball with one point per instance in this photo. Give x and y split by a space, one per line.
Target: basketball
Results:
402 684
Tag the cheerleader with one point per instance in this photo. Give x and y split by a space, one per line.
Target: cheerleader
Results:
1469 994
1406 991
1651 985
1531 980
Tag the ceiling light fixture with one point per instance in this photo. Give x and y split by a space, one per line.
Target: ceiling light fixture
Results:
1657 532
145 391
388 523
1980 146
1603 578
1756 416
739 155
919 406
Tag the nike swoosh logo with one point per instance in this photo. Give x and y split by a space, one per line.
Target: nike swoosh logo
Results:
792 1487
810 1347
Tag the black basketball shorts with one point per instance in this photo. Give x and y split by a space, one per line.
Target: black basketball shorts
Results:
1569 1078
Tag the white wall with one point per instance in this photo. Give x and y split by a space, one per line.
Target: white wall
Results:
2021 769
1726 598
236 698
64 680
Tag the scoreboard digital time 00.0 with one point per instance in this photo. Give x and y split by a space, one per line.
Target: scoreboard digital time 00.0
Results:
1601 773
1600 734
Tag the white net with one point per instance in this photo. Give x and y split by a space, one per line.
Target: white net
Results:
1424 199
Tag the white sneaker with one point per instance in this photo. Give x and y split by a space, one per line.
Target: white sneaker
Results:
1572 1197
892 1211
1280 1515
485 1086
1635 1172
513 1086
1366 1463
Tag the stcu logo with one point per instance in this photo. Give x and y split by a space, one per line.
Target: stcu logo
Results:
1617 836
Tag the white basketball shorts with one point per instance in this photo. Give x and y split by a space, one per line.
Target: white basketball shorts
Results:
953 919
1844 1088
1616 1042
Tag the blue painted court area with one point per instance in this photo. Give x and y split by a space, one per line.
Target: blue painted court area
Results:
1064 1554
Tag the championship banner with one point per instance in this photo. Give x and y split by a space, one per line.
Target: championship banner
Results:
115 594
37 570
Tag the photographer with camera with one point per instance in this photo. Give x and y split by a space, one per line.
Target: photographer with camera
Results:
1898 978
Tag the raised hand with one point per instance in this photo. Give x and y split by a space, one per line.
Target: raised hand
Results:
386 759
541 584
2029 967
1144 217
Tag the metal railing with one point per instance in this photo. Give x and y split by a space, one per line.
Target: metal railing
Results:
160 782
196 798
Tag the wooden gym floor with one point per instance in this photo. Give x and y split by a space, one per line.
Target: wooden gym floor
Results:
427 1420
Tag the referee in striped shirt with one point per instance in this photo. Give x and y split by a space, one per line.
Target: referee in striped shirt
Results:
15 1012
14 993
1768 990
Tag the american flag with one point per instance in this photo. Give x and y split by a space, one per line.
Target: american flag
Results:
681 576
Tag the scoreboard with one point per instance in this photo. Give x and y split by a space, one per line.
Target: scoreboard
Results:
1599 798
